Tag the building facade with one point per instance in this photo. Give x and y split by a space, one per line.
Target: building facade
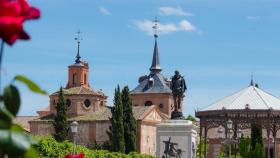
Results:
152 103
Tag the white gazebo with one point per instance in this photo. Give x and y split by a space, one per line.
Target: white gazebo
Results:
250 105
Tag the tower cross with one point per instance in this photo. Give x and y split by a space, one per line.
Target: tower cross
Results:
155 27
78 39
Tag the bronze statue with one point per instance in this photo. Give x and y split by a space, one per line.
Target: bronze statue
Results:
170 151
178 87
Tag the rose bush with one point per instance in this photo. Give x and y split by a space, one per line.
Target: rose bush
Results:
81 155
14 141
12 15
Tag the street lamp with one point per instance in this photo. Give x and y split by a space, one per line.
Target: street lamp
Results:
220 132
229 135
74 129
229 124
239 134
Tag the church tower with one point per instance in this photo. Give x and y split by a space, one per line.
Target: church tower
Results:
154 89
80 98
78 72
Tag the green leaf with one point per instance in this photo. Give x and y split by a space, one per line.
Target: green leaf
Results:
31 139
6 118
12 99
14 143
16 128
30 84
31 153
4 138
19 142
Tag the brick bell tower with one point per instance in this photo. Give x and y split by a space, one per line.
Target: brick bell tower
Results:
154 89
78 72
79 97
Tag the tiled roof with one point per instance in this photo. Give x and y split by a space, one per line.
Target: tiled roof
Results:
80 90
251 97
105 114
23 121
77 65
102 114
159 85
138 111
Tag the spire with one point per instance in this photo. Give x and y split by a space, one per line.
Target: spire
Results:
155 67
252 83
78 39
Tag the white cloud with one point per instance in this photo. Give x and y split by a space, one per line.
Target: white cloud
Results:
177 11
104 11
253 17
186 25
146 26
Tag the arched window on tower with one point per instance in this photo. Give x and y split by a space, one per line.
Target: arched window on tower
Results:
101 103
148 103
75 79
68 102
85 79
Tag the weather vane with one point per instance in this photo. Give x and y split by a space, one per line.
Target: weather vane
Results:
78 38
155 27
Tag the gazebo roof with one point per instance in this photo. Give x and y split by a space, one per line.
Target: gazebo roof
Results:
251 97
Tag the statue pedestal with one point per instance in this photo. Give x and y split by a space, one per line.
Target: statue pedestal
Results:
176 138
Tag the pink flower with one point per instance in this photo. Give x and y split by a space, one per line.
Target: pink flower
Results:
12 15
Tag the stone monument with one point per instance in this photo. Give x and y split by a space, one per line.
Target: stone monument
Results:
176 138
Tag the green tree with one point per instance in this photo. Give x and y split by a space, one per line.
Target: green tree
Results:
129 122
60 121
256 136
258 152
256 142
116 133
223 150
244 147
191 118
202 148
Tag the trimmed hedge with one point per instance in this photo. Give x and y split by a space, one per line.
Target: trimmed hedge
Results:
49 148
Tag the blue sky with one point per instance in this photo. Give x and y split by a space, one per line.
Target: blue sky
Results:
215 44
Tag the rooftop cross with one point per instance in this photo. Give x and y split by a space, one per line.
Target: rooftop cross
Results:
155 27
78 39
155 67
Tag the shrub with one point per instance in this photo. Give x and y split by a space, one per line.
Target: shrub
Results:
49 148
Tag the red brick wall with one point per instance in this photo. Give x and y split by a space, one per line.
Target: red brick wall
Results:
81 72
156 98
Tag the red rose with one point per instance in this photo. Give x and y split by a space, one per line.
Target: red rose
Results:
81 155
12 15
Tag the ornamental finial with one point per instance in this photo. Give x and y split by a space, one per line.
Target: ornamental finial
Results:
252 80
78 39
155 27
